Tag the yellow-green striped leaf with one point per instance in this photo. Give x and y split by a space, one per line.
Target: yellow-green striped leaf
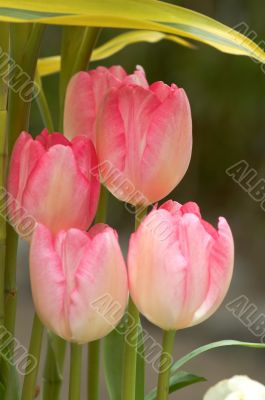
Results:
50 65
133 14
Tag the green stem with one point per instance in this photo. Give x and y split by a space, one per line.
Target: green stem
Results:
93 370
102 205
43 105
53 373
25 41
131 343
94 347
75 372
80 42
29 386
4 45
129 373
165 365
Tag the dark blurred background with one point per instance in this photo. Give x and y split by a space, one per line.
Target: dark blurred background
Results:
227 99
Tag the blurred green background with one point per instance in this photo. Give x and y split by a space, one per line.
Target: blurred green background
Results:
227 100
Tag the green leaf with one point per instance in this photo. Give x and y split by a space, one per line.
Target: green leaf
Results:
51 65
178 381
53 369
140 371
211 346
119 42
13 389
113 355
113 348
145 14
2 391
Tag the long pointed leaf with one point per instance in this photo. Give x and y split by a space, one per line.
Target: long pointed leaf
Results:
145 14
113 353
113 347
178 381
51 65
211 346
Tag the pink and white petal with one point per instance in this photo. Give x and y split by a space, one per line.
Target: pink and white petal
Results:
57 193
157 270
50 139
101 278
137 78
172 206
87 161
136 106
196 246
80 108
103 79
25 155
161 90
191 208
220 272
118 71
168 146
98 228
71 247
86 157
48 282
111 143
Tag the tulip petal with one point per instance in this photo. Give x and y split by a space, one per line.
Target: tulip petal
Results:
62 188
179 266
121 136
101 274
47 281
87 162
50 139
196 246
157 269
80 108
137 78
25 156
85 93
168 146
220 273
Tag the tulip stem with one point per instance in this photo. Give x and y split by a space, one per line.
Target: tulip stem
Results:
75 372
94 347
165 365
43 105
93 370
4 45
29 386
25 41
53 370
102 206
131 342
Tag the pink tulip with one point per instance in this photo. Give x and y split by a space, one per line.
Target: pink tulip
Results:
79 281
50 178
144 141
85 94
180 267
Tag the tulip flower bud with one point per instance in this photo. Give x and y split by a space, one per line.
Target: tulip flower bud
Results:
85 94
144 141
50 179
236 388
78 281
179 266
